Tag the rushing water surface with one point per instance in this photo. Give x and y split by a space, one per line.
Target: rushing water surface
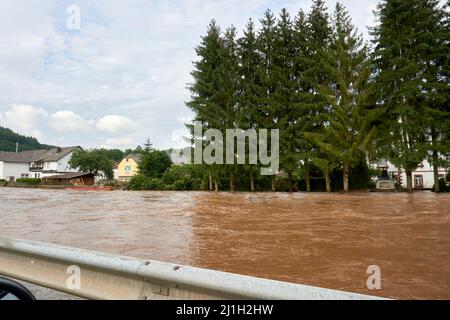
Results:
319 239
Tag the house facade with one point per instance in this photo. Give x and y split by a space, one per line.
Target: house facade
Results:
128 167
423 176
36 163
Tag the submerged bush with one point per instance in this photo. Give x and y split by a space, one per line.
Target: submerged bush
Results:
153 184
443 186
184 183
141 182
137 182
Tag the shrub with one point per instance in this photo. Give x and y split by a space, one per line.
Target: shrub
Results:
443 186
141 182
137 182
153 184
30 181
185 183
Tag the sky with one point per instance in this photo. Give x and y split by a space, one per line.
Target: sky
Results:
110 73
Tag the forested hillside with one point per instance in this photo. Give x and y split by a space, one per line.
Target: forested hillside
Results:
9 138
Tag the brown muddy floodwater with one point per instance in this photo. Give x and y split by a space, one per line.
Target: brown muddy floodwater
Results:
319 239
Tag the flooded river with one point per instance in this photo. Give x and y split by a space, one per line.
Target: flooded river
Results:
319 239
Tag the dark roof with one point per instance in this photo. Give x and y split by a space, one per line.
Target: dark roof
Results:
52 154
70 175
135 156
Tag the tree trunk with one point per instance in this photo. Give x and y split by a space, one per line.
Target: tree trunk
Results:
210 181
409 184
231 181
216 186
345 176
308 181
435 161
290 181
436 171
252 180
327 181
273 183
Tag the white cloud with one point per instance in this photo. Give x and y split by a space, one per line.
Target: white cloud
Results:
119 142
66 120
132 59
24 119
115 124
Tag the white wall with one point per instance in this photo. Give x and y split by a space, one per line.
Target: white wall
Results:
60 166
10 169
63 164
425 170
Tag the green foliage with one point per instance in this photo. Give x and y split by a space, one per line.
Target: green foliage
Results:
29 181
335 103
92 161
141 182
8 140
346 135
443 186
137 182
155 163
153 184
182 177
411 80
115 155
184 183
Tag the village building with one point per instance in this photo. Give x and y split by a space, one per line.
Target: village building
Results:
71 178
128 167
36 163
422 177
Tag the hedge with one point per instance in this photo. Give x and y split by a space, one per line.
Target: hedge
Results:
30 181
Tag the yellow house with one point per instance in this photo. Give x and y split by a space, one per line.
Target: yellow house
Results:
128 167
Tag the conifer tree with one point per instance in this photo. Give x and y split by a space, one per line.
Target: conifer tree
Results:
266 72
346 137
314 105
248 105
207 96
229 90
282 100
436 88
401 61
302 93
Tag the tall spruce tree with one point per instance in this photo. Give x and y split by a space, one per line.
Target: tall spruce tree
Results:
302 92
400 60
208 100
346 136
435 84
315 106
229 91
248 104
267 116
282 101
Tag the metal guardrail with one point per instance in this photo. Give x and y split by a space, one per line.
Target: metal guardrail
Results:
107 276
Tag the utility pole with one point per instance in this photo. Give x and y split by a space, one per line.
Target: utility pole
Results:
17 147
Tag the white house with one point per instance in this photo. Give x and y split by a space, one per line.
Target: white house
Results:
35 163
423 176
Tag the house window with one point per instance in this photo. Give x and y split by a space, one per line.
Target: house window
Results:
24 175
418 181
127 169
